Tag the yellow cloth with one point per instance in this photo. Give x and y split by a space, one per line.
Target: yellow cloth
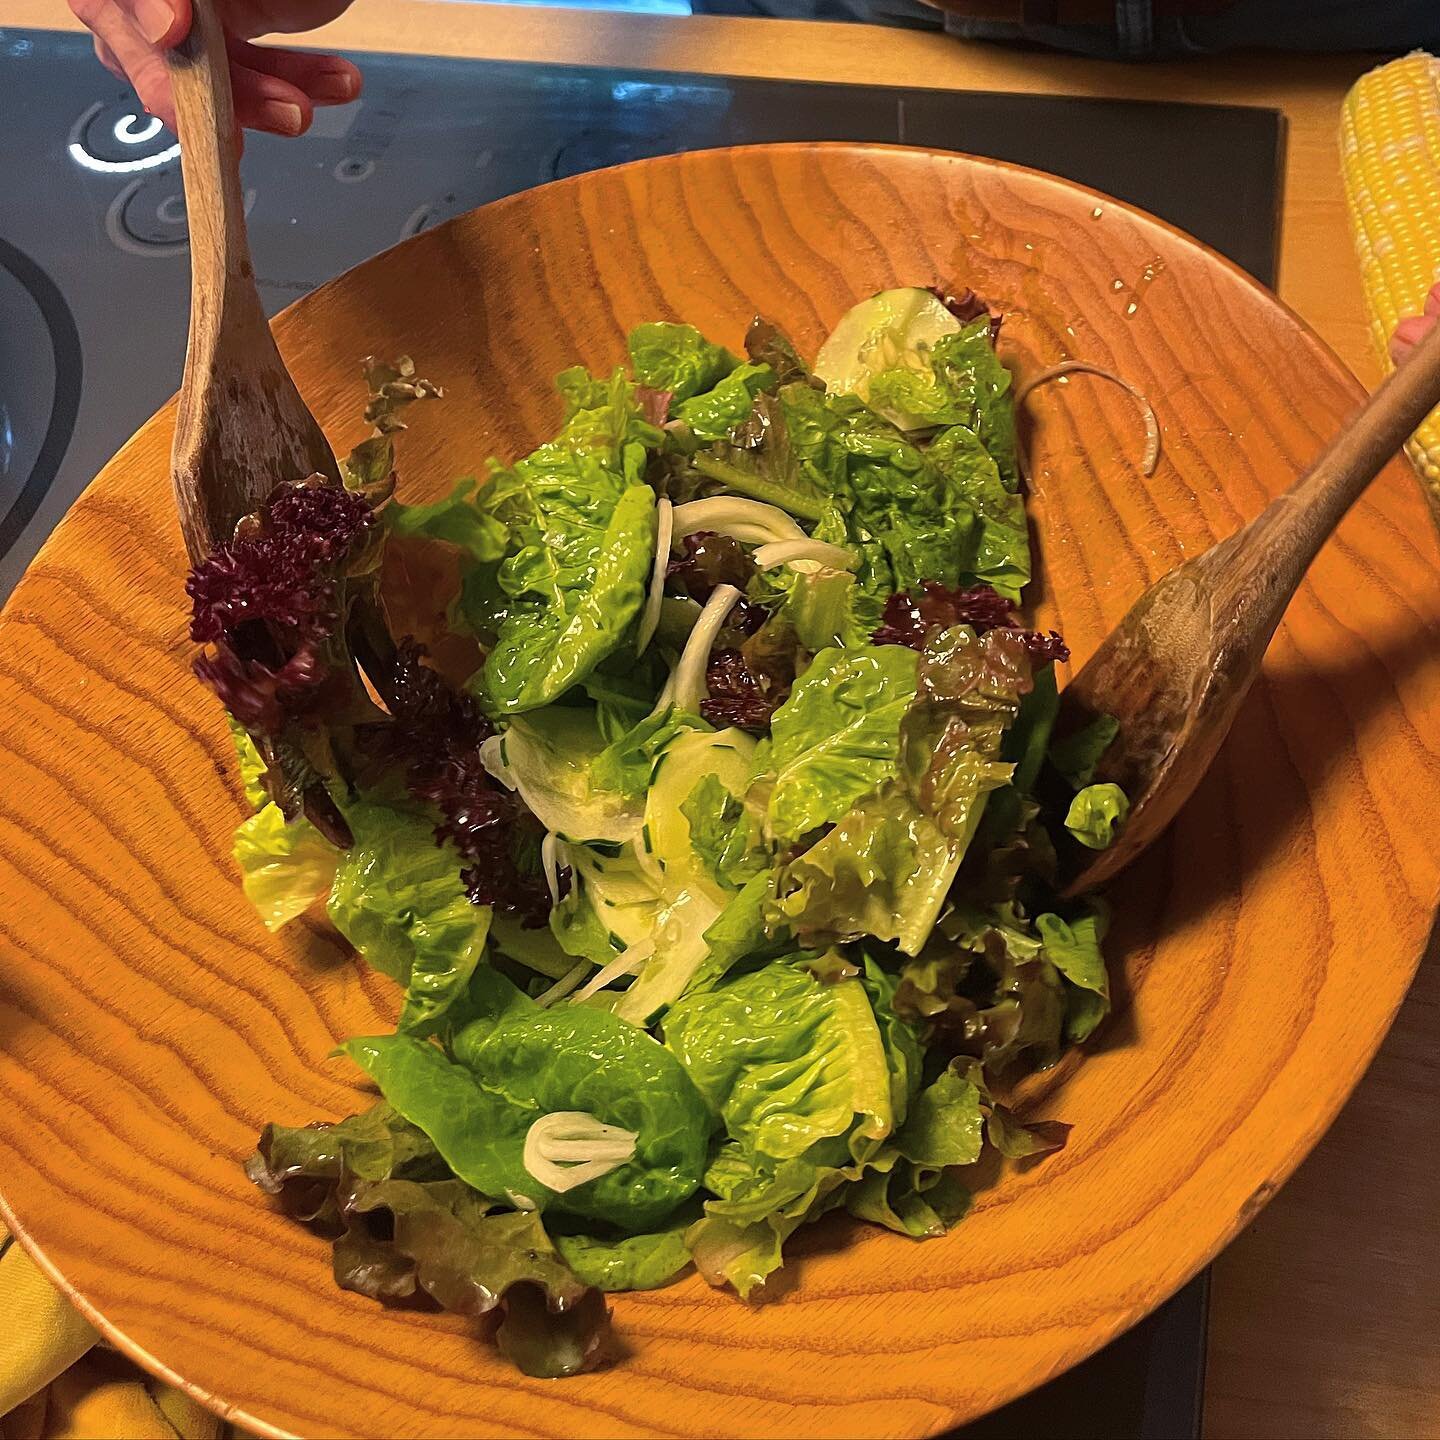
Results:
55 1386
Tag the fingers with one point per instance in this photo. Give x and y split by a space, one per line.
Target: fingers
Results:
1408 334
326 79
277 90
123 42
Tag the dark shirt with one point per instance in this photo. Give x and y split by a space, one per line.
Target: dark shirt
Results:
1140 34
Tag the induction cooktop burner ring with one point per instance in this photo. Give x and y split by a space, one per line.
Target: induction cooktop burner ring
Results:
65 406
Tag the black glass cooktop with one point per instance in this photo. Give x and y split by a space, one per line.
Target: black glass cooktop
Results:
94 290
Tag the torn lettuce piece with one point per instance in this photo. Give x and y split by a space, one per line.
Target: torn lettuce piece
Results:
723 833
580 527
574 1058
1076 755
797 1072
458 520
252 767
398 898
631 1262
838 735
1073 947
717 412
285 866
678 359
1097 815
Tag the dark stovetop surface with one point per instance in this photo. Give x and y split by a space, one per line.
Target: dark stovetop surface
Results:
94 281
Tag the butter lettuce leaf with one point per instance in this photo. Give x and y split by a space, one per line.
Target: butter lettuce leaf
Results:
838 735
574 1057
631 1262
580 528
285 866
717 412
458 520
397 897
677 358
1097 814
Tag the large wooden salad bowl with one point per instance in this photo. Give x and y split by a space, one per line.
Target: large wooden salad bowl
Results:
149 1027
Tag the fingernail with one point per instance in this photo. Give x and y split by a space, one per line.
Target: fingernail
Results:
336 87
281 117
154 17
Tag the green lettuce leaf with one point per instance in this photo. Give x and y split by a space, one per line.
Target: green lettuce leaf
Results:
457 519
1076 755
573 1057
627 764
838 735
723 834
1073 947
580 526
884 870
404 1227
1097 815
713 415
677 358
911 1199
998 546
398 899
793 1067
285 867
633 1262
252 767
946 1123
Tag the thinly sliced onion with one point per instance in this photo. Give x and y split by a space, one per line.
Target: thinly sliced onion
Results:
564 985
689 677
519 1201
590 1147
1151 457
752 521
664 533
552 856
782 552
625 963
492 757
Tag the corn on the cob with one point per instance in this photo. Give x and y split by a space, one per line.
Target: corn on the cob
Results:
1390 158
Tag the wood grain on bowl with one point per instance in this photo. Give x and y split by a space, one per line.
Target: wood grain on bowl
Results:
148 1026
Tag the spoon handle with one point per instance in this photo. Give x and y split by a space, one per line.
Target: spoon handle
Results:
1298 523
230 340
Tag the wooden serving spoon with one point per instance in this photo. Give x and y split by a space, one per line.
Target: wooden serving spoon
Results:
1175 670
242 428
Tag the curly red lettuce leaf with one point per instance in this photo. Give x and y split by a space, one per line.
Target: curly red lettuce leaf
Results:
406 1231
911 615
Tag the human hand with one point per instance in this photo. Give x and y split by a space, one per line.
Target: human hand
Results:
275 90
1411 330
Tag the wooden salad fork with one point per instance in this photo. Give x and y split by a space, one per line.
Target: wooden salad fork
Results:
242 427
1176 669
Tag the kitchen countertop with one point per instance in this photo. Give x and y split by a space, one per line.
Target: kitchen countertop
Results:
1325 1314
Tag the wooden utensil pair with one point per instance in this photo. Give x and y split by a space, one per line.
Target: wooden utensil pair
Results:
1173 673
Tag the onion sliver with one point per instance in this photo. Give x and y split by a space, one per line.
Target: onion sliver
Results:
650 616
783 552
752 521
1151 457
576 1136
689 677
